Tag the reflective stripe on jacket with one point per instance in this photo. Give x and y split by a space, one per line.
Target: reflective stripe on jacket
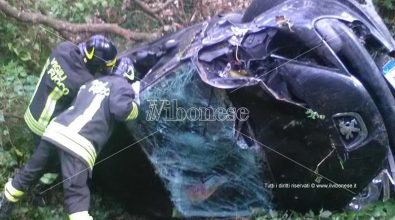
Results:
61 77
85 127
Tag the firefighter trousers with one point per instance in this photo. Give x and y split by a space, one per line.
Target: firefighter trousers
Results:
74 171
36 139
52 168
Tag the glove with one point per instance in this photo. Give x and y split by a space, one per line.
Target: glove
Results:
136 89
124 67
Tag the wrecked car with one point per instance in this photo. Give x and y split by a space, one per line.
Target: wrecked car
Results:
316 79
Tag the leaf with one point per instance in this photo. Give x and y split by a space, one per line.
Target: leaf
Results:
18 152
325 214
15 51
36 46
2 116
104 4
388 4
310 213
22 74
25 56
10 46
378 212
80 6
273 213
10 78
18 89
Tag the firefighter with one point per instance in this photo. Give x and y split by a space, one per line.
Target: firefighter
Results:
68 67
75 137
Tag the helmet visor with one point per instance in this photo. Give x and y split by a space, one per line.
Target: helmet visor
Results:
111 63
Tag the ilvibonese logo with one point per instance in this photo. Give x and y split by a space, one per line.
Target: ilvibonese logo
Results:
168 110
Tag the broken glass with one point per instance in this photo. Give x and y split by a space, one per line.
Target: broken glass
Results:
206 169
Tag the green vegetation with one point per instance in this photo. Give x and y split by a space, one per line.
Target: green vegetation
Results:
23 51
379 210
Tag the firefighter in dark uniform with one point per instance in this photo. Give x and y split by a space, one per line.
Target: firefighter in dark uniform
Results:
68 67
76 136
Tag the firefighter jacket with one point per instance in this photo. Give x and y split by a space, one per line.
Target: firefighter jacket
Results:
60 80
85 127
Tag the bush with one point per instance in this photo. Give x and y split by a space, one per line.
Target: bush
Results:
16 87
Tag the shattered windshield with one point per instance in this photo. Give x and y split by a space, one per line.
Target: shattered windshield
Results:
194 150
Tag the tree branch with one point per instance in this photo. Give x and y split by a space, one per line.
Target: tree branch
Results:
59 25
163 6
147 9
152 11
